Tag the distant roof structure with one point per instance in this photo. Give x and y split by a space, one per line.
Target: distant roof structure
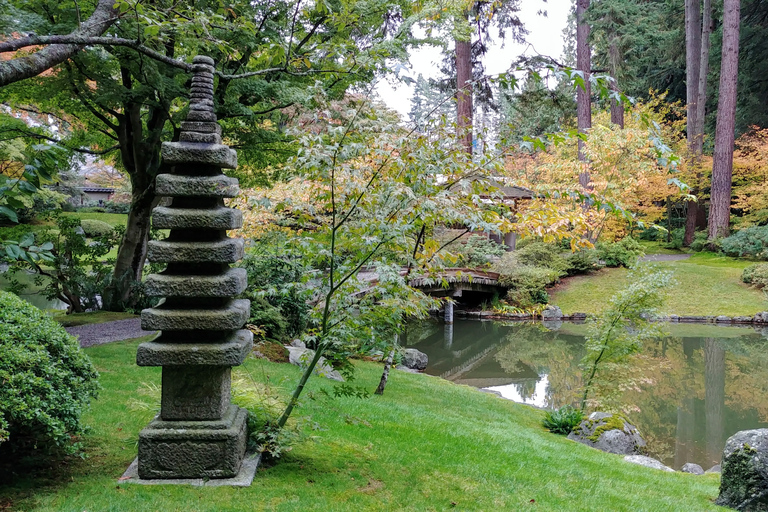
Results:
92 187
97 189
508 190
512 191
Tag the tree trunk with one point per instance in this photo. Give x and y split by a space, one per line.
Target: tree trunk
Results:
714 398
464 94
385 373
583 63
692 64
722 159
701 102
140 152
132 252
617 108
13 70
697 61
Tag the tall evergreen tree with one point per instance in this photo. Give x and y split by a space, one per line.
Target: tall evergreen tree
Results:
722 158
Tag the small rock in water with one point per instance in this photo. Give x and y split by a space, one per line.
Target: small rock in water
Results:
647 462
692 468
714 469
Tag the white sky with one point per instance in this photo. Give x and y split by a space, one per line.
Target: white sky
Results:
545 36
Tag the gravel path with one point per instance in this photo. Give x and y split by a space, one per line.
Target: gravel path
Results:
665 257
98 334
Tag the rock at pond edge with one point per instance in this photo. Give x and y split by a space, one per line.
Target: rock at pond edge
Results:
610 433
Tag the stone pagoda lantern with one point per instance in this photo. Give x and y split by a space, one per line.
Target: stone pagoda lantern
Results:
198 434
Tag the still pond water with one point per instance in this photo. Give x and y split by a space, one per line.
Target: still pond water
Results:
687 393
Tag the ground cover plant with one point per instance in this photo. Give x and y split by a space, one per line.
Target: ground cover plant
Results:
692 294
426 444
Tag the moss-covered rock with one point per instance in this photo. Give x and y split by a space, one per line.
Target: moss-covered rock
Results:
610 433
744 481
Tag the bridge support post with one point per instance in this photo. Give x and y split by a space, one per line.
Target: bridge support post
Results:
447 336
448 315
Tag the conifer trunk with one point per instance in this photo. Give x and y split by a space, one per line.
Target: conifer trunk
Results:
722 159
464 94
583 94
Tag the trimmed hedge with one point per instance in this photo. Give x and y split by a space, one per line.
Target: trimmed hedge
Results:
95 228
47 381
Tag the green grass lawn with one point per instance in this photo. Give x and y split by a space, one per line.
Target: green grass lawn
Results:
427 444
706 284
92 317
656 248
113 219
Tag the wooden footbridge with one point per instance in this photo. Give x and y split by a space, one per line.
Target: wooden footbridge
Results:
453 282
450 282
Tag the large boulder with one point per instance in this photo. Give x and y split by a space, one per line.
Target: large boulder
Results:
744 480
610 433
414 359
301 357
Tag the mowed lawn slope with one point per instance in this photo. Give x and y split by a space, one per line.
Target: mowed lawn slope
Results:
705 284
427 444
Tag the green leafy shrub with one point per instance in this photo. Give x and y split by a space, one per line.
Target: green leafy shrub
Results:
583 262
700 241
268 318
756 275
541 254
42 201
674 240
623 253
563 420
117 207
479 251
47 381
751 242
94 228
71 269
527 284
275 283
67 206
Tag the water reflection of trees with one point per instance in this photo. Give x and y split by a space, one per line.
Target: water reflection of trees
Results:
547 353
687 395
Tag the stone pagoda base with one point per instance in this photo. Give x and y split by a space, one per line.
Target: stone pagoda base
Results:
193 449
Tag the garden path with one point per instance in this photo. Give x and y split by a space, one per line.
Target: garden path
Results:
98 334
665 257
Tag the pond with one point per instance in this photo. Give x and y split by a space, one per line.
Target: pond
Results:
33 295
687 392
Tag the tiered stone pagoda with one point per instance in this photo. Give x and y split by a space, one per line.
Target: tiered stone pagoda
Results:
198 434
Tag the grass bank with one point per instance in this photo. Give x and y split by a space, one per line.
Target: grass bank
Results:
705 284
427 444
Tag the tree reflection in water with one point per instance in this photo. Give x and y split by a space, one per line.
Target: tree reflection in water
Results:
687 393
